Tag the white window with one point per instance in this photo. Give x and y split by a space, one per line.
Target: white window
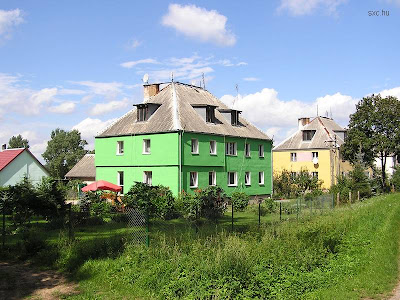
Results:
247 178
194 178
247 150
213 147
315 155
314 174
231 148
212 178
148 177
146 146
120 148
195 146
261 150
232 178
293 156
293 175
261 178
120 180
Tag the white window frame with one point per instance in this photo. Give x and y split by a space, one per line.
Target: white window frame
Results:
235 179
247 175
146 177
247 152
260 150
215 147
293 156
261 178
196 181
120 174
214 178
314 155
314 175
228 148
145 146
120 147
195 146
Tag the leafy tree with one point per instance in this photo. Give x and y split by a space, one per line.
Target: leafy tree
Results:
374 130
50 199
305 182
212 202
18 142
63 151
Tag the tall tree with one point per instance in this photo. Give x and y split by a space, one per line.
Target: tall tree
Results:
63 151
18 142
374 131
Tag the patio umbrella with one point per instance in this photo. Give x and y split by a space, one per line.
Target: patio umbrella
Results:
102 185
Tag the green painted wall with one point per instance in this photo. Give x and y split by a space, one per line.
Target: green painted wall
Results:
221 163
23 164
164 161
164 150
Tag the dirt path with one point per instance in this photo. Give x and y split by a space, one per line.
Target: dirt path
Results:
18 281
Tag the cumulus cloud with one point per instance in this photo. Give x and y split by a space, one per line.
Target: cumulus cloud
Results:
63 108
308 7
103 108
395 92
110 90
8 20
279 117
89 128
199 23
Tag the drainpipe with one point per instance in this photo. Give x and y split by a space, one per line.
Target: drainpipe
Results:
272 172
180 161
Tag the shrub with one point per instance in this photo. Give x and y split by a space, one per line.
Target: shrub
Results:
212 202
157 201
396 179
50 202
187 206
240 200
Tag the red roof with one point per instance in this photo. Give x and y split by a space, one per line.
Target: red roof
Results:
7 156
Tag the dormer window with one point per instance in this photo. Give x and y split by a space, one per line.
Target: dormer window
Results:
308 135
235 117
145 111
210 114
231 115
207 112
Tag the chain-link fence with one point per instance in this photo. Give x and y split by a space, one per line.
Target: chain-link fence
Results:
138 227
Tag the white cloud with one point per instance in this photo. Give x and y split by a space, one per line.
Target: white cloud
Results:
8 20
131 64
64 108
251 79
70 92
107 89
242 63
89 128
395 92
308 7
102 108
199 23
279 117
134 44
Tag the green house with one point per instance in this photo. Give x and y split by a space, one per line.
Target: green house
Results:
185 138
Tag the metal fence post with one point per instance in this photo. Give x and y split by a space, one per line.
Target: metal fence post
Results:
4 224
259 213
147 228
297 209
358 196
280 211
232 215
337 199
350 197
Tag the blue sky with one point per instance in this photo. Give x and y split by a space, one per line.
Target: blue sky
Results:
79 64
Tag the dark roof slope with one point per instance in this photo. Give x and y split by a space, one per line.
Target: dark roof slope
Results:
324 132
85 168
177 113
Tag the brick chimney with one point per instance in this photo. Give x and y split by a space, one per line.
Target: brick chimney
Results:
150 90
303 122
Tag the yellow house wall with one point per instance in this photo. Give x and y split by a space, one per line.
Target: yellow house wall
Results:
281 161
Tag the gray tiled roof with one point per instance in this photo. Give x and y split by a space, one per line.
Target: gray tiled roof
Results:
177 113
84 168
324 131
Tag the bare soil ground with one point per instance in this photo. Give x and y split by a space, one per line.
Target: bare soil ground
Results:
19 281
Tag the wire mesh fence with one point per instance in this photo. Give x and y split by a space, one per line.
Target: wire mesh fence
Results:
138 229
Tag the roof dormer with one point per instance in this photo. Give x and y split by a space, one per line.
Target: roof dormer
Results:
231 115
207 112
146 110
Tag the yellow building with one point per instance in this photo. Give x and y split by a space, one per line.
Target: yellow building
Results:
315 147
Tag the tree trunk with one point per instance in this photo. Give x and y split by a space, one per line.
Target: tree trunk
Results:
383 166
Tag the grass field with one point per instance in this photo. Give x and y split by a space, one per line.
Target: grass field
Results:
348 253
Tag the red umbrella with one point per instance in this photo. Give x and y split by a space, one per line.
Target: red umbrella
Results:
102 185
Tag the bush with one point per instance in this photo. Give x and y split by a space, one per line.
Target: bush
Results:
157 201
211 202
240 200
396 179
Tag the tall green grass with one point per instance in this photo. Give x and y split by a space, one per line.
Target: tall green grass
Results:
347 254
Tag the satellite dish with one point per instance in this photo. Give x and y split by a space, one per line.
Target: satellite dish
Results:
146 78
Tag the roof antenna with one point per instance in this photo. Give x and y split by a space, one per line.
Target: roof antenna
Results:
237 95
172 76
204 82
